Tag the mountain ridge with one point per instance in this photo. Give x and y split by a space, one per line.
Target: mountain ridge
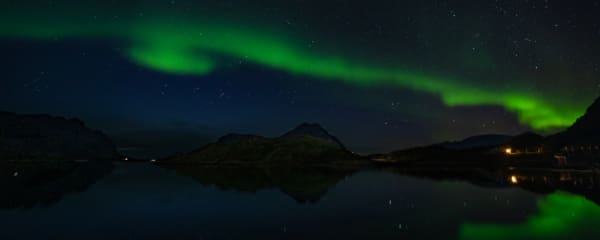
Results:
46 137
585 130
306 143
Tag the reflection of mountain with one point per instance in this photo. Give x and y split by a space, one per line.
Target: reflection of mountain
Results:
43 137
306 184
584 183
303 163
25 185
306 144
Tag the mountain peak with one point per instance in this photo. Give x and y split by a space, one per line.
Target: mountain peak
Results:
585 130
313 130
307 143
589 120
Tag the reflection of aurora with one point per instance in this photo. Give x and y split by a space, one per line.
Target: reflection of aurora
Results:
195 46
562 216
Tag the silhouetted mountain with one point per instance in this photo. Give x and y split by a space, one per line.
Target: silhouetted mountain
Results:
479 151
43 137
313 130
527 139
478 141
589 121
586 130
439 156
308 143
579 144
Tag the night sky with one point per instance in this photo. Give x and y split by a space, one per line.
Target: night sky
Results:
380 75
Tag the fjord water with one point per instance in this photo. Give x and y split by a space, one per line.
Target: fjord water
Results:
143 201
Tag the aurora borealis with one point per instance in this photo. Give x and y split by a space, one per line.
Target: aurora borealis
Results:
458 55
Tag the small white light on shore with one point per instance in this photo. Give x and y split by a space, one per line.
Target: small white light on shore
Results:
16 174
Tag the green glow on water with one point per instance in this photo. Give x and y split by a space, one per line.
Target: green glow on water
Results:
561 216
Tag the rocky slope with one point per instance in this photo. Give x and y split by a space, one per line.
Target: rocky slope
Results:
586 130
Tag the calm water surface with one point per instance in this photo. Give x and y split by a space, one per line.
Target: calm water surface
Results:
142 201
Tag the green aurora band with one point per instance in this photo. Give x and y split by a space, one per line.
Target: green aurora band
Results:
561 216
194 47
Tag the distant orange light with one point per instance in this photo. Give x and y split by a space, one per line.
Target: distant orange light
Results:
508 150
513 179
